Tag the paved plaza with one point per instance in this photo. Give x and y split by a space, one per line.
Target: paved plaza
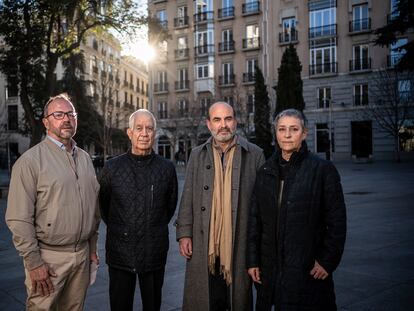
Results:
376 273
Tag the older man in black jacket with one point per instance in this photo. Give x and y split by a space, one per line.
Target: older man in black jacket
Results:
138 198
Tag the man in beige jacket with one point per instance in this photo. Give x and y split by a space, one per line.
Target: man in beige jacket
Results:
53 213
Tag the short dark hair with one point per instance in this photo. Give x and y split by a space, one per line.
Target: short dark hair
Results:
64 96
292 113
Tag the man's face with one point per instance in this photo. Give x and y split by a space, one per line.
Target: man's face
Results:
61 130
222 123
142 135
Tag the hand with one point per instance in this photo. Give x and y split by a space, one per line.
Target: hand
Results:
318 272
94 257
186 247
255 274
41 283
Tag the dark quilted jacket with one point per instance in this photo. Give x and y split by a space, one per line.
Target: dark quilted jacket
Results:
138 197
284 241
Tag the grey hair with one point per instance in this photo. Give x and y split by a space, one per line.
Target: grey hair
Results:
292 113
134 114
63 96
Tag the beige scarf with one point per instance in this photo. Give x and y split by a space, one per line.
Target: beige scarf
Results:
220 239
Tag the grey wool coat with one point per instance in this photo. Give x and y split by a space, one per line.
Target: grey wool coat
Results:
194 221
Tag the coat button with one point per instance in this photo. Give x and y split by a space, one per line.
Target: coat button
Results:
203 208
208 166
206 187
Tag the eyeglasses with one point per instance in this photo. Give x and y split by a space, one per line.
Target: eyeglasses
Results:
60 115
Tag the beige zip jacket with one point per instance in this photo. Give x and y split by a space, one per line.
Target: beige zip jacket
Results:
52 202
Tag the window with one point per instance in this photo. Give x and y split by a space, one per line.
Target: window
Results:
228 75
162 110
182 12
250 103
288 30
182 107
404 91
204 104
249 76
12 89
324 97
126 97
360 17
12 118
182 77
323 60
162 17
397 52
252 37
229 100
204 42
322 22
360 59
162 77
182 43
202 71
227 9
360 94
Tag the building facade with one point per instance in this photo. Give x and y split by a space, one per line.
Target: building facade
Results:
118 85
215 46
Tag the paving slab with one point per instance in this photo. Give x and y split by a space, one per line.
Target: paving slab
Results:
376 272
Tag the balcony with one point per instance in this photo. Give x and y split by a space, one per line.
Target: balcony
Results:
227 80
117 81
204 50
182 85
203 17
126 84
95 69
394 59
103 74
322 31
360 64
251 43
131 86
181 54
360 25
249 77
323 69
251 8
226 47
137 89
161 87
226 13
288 37
181 22
111 77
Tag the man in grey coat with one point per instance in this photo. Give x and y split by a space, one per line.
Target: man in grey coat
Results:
212 220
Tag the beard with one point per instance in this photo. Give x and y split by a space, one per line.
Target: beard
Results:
223 135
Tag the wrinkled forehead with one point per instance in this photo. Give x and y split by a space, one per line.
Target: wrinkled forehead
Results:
143 118
60 104
221 110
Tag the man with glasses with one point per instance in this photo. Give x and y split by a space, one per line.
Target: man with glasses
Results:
53 213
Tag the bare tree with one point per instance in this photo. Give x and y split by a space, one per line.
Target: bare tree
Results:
391 102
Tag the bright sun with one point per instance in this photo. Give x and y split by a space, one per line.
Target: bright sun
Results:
142 51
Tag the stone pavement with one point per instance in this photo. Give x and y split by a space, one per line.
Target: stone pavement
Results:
376 273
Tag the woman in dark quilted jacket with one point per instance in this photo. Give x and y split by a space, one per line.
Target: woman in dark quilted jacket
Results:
297 224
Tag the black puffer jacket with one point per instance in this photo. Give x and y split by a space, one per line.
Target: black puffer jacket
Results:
285 241
138 197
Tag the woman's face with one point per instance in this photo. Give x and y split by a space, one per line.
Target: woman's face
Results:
290 134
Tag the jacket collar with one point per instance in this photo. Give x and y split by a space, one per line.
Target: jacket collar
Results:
272 164
240 141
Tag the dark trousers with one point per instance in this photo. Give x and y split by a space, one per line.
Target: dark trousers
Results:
122 288
219 291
